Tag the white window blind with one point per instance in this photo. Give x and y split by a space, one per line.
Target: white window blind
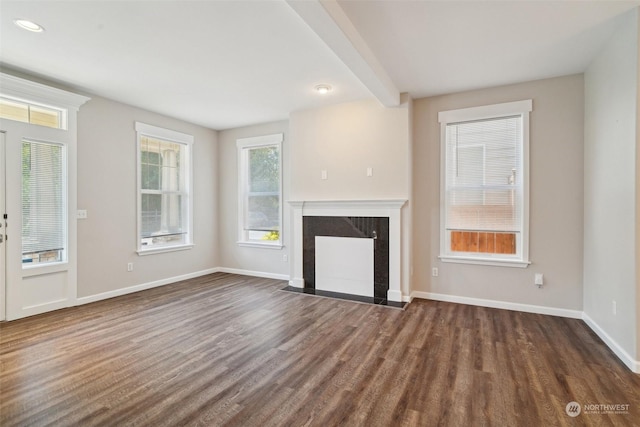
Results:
484 175
484 186
43 202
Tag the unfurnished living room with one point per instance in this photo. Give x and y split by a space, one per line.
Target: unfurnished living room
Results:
319 213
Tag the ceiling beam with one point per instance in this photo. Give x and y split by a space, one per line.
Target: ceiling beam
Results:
327 19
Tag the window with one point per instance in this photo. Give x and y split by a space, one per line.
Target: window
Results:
44 225
484 184
260 202
164 189
25 112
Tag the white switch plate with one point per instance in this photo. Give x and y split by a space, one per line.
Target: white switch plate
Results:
539 279
81 214
323 174
369 171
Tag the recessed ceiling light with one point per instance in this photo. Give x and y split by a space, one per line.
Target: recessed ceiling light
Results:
29 25
323 89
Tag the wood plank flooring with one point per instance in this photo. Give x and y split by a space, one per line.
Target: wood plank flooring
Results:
233 350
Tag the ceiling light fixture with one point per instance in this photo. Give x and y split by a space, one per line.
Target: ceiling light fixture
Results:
323 89
29 25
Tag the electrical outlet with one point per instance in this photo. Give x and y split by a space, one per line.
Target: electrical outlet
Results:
285 258
614 308
130 266
434 271
81 214
539 280
369 171
323 174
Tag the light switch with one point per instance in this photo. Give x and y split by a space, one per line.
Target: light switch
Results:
323 174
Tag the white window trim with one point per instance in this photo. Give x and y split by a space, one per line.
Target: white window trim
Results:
253 142
143 129
38 94
521 108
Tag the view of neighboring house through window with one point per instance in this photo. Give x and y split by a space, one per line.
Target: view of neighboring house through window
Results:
26 112
260 202
44 228
164 205
485 185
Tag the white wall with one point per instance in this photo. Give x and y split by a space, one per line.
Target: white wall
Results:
107 239
345 140
556 202
233 256
610 187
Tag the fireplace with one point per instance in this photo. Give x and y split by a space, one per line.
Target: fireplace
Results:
347 238
361 224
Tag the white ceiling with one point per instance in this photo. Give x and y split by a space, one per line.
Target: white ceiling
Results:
438 47
224 64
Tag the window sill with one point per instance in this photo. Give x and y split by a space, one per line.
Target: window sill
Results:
143 252
261 245
485 261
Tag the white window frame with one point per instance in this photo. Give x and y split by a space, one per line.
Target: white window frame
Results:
249 143
495 111
143 129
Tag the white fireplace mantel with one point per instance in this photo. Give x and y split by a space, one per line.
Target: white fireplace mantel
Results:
390 208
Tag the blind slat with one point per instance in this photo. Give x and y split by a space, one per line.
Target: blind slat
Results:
43 210
483 175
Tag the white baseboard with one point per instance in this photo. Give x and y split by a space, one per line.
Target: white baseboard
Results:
143 286
626 358
527 308
254 273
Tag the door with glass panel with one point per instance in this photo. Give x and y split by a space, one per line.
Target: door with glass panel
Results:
39 127
40 271
3 268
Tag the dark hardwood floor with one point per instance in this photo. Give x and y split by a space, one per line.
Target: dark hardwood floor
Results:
234 350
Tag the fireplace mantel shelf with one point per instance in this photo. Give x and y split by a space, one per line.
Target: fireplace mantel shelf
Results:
346 204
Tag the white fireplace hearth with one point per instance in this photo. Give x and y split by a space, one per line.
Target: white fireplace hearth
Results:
337 281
